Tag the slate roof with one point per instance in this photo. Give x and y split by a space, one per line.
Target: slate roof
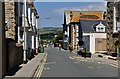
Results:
88 25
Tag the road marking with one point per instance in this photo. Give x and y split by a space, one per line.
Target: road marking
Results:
99 62
114 65
92 61
60 53
46 68
98 67
88 61
62 49
82 60
90 67
41 68
71 58
74 53
85 60
34 69
76 62
50 63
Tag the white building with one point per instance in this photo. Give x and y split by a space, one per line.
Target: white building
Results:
27 30
94 35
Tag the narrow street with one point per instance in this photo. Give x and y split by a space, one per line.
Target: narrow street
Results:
59 39
60 64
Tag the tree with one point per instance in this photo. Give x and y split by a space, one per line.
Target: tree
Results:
59 37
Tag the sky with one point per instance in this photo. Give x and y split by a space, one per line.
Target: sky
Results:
69 0
51 13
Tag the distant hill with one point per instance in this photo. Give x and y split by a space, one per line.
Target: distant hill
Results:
49 32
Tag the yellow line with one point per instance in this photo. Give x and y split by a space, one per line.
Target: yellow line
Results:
33 69
41 68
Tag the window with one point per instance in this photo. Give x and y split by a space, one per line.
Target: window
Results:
21 8
99 41
98 28
101 28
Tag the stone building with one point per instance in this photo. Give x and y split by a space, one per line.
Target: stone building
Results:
11 19
71 26
113 22
14 51
19 32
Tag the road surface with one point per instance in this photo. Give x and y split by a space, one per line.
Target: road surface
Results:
60 64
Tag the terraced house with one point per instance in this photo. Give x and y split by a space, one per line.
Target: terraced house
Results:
28 30
79 24
21 33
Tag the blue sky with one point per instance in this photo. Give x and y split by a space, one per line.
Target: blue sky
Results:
69 0
51 13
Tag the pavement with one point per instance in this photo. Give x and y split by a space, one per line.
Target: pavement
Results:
30 69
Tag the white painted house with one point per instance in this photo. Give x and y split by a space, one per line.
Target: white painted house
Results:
94 32
27 30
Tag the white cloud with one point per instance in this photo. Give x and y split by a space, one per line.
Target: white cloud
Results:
90 7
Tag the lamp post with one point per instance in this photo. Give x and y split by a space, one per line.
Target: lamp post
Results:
25 51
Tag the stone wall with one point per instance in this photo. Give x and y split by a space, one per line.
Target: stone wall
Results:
110 40
10 19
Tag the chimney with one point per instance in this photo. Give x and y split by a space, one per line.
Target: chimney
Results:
104 15
71 16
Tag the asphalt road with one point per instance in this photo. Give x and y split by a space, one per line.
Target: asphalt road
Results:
60 64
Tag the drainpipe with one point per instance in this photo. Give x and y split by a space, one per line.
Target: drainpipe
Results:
25 49
118 47
33 44
37 34
19 34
